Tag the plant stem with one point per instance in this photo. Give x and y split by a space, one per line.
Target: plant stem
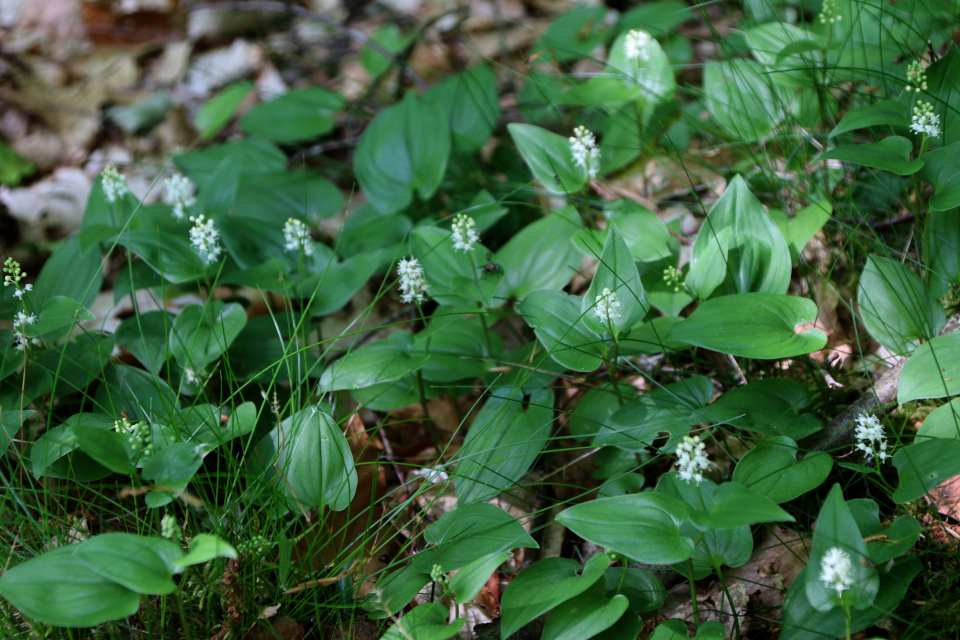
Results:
693 593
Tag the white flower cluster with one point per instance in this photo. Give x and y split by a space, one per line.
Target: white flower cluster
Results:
836 570
191 377
412 284
586 154
20 322
169 527
925 121
607 307
916 77
205 239
140 436
13 276
871 438
692 459
637 45
464 233
828 13
113 184
179 192
296 237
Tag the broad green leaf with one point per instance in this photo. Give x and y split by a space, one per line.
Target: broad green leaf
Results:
214 114
836 528
201 334
644 82
642 588
313 460
468 581
890 154
943 422
642 230
573 34
771 469
540 256
670 630
710 268
143 115
736 506
594 410
58 588
757 255
890 541
13 167
71 271
752 325
366 229
767 406
942 250
394 591
742 98
544 585
471 104
549 158
643 526
253 156
453 277
54 453
557 320
272 198
145 336
425 622
58 312
885 112
657 18
933 371
651 337
617 272
461 350
141 395
204 548
799 228
896 307
585 616
10 423
941 168
502 443
391 40
78 363
402 152
299 114
924 465
168 255
468 533
171 470
382 361
943 91
107 447
795 68
136 562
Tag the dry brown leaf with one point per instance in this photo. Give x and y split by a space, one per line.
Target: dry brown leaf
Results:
284 628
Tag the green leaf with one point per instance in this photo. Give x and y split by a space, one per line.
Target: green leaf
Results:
670 630
10 423
557 321
933 371
617 272
454 277
390 39
752 325
471 104
767 406
886 112
170 470
13 168
540 256
71 271
942 250
742 98
837 528
736 506
549 158
204 548
141 395
402 152
657 18
136 562
458 350
771 469
642 588
425 622
573 34
58 588
644 232
625 80
890 154
896 307
109 448
799 228
214 114
941 168
394 591
200 334
468 581
58 312
780 46
924 465
757 255
382 361
943 422
170 256
585 615
468 533
543 586
502 443
299 114
145 336
314 466
143 115
52 453
643 526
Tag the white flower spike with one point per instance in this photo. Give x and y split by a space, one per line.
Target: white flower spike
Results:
179 192
608 307
925 121
412 283
637 45
464 233
205 239
586 154
296 237
114 185
692 459
871 438
836 570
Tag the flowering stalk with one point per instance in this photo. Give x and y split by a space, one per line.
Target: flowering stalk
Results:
586 154
205 239
113 184
871 438
179 192
692 459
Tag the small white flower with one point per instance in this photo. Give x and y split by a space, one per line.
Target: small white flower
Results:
412 283
114 185
205 239
430 475
916 77
179 192
637 45
296 237
19 292
22 341
608 307
22 318
464 233
169 528
586 154
692 459
837 570
190 376
925 121
872 439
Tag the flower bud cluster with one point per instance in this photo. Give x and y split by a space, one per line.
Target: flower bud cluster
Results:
139 435
925 121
